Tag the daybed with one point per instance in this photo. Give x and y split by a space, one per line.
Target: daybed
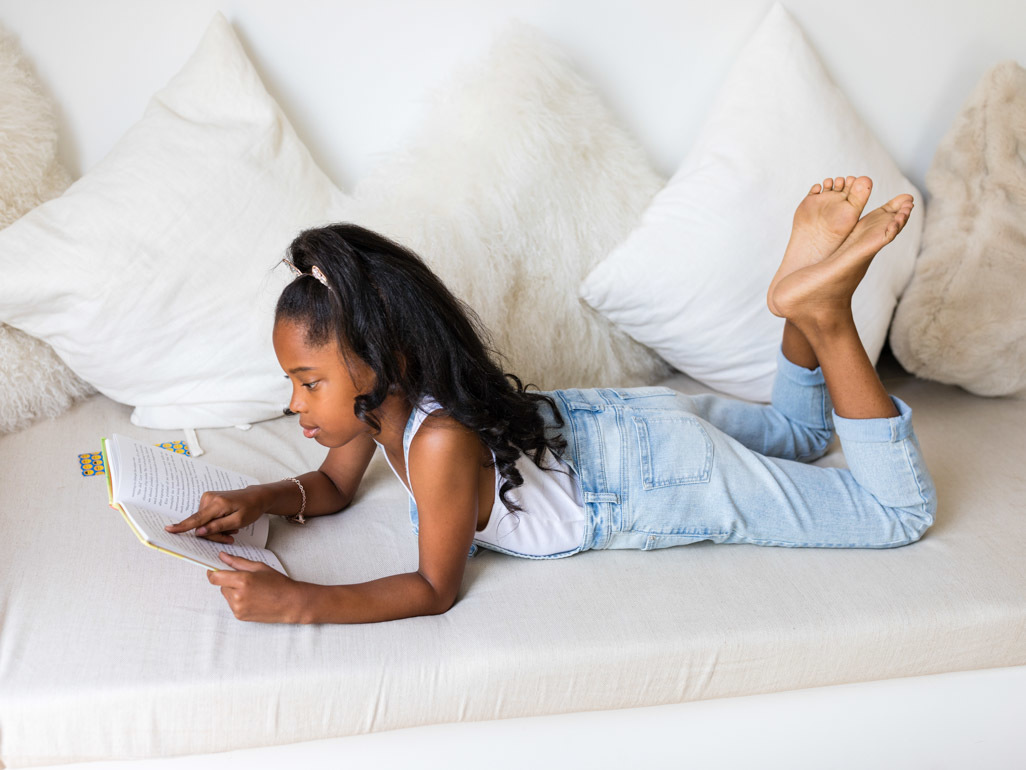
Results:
111 651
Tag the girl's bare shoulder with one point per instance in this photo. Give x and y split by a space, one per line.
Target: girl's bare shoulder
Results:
442 438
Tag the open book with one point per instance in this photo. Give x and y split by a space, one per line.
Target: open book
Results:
153 487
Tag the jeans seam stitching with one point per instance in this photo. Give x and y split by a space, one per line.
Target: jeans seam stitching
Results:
623 483
823 406
757 541
915 472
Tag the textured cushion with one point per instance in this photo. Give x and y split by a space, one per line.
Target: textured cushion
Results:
516 184
152 275
962 319
691 280
34 382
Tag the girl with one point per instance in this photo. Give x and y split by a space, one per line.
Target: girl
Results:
381 354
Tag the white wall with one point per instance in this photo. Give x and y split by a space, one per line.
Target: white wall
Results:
906 66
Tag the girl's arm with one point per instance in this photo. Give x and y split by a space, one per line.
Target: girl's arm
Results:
257 592
444 463
328 490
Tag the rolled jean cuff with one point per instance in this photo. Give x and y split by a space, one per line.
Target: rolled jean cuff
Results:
876 429
798 374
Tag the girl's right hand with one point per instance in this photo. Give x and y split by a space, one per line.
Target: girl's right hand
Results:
222 514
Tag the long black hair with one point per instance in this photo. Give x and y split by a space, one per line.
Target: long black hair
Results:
387 307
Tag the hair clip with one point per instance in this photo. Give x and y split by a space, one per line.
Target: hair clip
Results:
315 272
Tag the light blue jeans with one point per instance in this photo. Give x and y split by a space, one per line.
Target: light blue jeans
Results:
659 468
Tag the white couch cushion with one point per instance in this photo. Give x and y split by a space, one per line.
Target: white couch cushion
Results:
152 275
691 280
113 650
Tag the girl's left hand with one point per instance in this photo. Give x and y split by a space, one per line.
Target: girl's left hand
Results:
256 591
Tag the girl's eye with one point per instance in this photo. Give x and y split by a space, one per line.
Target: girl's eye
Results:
310 385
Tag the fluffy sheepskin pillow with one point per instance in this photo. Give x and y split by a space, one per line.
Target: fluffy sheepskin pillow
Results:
159 286
34 382
962 319
517 184
691 280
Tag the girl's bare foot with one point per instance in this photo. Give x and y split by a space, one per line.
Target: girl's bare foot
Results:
822 291
822 221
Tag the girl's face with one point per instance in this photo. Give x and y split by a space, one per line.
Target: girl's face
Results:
323 390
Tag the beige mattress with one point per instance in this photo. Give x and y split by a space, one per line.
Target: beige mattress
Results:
112 650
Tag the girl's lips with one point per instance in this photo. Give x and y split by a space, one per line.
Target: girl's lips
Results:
311 432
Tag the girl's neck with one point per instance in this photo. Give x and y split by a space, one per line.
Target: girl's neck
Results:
393 414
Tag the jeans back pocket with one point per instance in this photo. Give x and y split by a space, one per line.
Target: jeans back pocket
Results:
675 448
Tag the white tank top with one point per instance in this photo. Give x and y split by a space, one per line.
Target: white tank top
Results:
552 515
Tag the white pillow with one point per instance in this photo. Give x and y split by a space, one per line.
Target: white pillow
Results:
152 275
691 280
518 182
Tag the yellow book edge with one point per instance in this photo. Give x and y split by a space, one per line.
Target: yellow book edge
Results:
128 520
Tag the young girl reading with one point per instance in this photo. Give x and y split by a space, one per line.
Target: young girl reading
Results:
381 354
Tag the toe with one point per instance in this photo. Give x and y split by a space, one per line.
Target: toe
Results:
839 183
828 184
896 203
858 192
848 182
816 188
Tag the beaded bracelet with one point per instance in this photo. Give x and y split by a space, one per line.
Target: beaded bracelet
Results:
297 518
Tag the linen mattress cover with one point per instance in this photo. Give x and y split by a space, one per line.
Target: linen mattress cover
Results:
112 650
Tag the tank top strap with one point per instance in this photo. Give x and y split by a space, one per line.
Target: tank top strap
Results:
419 413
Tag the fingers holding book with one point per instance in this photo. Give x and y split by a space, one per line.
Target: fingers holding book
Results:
257 592
153 489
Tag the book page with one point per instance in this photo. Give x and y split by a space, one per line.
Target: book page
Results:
169 482
254 535
173 483
150 524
